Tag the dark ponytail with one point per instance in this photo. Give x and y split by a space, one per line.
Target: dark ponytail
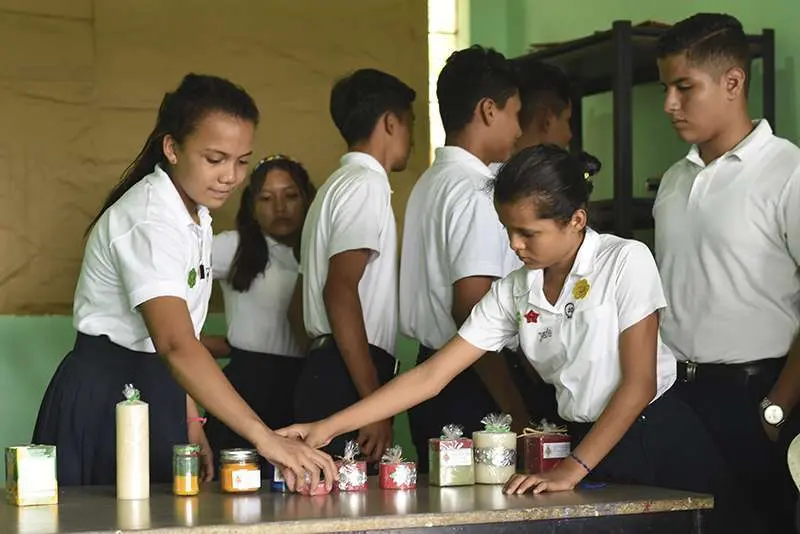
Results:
558 182
252 254
178 115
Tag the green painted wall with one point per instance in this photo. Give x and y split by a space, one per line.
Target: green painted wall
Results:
32 347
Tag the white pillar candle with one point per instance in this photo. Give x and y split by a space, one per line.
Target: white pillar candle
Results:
495 450
495 456
133 447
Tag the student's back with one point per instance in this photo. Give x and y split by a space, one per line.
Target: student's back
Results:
358 188
450 207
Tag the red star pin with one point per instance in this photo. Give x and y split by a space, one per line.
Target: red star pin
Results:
532 317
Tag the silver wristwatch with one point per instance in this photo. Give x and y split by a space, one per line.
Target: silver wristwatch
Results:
771 412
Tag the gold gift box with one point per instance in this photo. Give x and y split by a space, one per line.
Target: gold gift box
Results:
31 475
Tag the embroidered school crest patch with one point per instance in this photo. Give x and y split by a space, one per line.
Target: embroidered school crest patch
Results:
192 278
581 289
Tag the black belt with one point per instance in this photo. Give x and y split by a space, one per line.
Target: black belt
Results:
326 340
692 371
320 342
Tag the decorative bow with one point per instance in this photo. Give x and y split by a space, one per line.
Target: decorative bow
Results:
131 394
393 455
544 427
452 432
351 450
497 423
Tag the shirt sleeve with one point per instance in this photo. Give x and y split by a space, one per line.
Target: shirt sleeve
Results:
789 216
638 289
152 261
223 250
492 323
476 242
357 218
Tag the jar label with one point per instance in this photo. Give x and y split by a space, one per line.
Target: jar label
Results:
246 479
556 450
456 457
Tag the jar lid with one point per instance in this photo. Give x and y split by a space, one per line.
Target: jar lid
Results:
186 449
238 455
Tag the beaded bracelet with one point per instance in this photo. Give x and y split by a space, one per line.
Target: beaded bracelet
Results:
581 463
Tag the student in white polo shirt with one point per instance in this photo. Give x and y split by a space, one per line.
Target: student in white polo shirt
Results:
585 309
142 297
349 257
727 220
453 243
257 265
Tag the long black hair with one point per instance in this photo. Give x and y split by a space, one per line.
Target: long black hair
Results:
252 254
178 115
558 182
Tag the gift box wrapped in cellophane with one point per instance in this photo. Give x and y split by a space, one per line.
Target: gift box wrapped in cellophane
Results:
352 473
395 472
542 446
450 458
31 475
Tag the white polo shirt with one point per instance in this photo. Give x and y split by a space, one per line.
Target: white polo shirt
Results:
574 344
144 246
727 244
451 232
353 210
257 317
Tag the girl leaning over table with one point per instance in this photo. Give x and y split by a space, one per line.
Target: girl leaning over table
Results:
142 297
585 307
257 267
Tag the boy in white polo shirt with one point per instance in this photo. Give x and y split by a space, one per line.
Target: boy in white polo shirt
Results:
349 257
453 243
727 243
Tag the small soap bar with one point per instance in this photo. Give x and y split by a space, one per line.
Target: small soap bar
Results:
31 475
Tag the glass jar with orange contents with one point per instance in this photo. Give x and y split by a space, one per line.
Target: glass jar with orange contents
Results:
239 471
186 469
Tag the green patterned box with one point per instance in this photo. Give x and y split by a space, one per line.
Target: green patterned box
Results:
31 475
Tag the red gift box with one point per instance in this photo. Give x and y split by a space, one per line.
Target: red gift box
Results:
395 473
542 450
398 476
305 489
351 473
352 476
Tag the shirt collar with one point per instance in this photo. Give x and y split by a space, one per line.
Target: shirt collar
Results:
456 154
362 159
165 189
583 265
762 132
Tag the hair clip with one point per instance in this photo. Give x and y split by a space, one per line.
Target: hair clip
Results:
273 157
591 165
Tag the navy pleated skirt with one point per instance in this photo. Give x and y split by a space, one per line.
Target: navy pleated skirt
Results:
78 415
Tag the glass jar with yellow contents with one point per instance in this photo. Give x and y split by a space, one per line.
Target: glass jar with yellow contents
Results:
239 471
186 469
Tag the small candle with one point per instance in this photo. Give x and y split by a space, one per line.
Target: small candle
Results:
133 446
495 450
352 473
450 458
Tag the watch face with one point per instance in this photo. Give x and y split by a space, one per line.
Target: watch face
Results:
773 414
